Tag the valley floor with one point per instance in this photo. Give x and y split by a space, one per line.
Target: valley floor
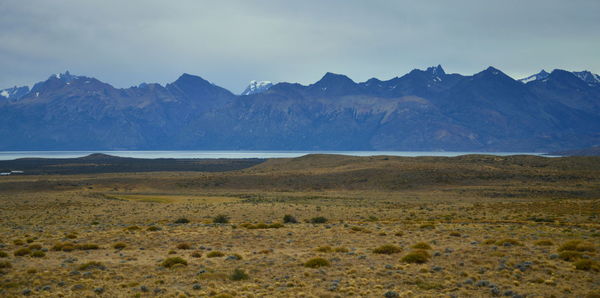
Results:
474 226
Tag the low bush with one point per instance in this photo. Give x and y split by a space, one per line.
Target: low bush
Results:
5 265
64 246
196 254
170 262
569 255
119 245
35 247
455 234
340 249
184 246
3 254
544 243
153 229
417 257
37 254
507 242
577 245
91 265
215 254
421 245
22 252
324 249
387 249
182 220
289 219
221 219
260 226
316 263
586 265
427 226
86 246
318 220
238 274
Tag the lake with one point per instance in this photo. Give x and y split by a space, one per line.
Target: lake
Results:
8 155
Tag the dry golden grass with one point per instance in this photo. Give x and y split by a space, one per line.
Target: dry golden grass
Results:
529 226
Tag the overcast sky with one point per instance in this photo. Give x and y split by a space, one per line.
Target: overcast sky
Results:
232 42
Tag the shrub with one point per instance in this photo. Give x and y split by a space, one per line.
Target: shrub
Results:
416 256
289 219
421 245
215 254
91 265
183 246
398 234
71 236
340 249
119 245
427 226
316 263
37 254
35 247
170 262
318 220
153 229
182 220
238 274
18 242
132 228
576 245
262 226
324 249
586 265
544 243
221 219
86 246
22 252
387 249
4 265
455 234
3 254
489 241
569 255
508 242
65 246
196 254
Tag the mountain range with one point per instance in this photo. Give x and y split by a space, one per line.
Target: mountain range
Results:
423 110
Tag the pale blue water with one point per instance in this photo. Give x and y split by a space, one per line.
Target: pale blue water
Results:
8 155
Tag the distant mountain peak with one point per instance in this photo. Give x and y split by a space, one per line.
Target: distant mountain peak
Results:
257 87
436 70
331 78
65 76
538 76
14 93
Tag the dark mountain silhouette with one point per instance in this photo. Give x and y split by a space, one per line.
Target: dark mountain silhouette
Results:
422 110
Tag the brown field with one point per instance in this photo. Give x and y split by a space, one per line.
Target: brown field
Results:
481 226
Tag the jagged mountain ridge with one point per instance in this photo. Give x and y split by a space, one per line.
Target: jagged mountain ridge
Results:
422 110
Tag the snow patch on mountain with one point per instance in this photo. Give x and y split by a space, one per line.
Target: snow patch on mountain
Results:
257 87
538 76
588 77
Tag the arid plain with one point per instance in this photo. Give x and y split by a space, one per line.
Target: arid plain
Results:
314 226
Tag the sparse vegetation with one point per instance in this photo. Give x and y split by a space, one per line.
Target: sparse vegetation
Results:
544 243
86 246
577 245
508 242
182 220
184 246
37 254
22 252
5 265
119 245
421 245
91 265
3 254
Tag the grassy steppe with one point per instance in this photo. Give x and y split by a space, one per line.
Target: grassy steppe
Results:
366 226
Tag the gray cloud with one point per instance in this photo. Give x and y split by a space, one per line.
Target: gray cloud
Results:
232 42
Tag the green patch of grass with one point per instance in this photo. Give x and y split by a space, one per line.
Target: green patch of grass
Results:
421 245
387 249
221 219
416 257
239 274
215 254
316 263
428 285
22 252
119 245
91 265
170 262
577 245
289 219
318 220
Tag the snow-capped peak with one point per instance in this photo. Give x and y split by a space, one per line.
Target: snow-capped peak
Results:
538 76
65 77
588 77
257 87
14 93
